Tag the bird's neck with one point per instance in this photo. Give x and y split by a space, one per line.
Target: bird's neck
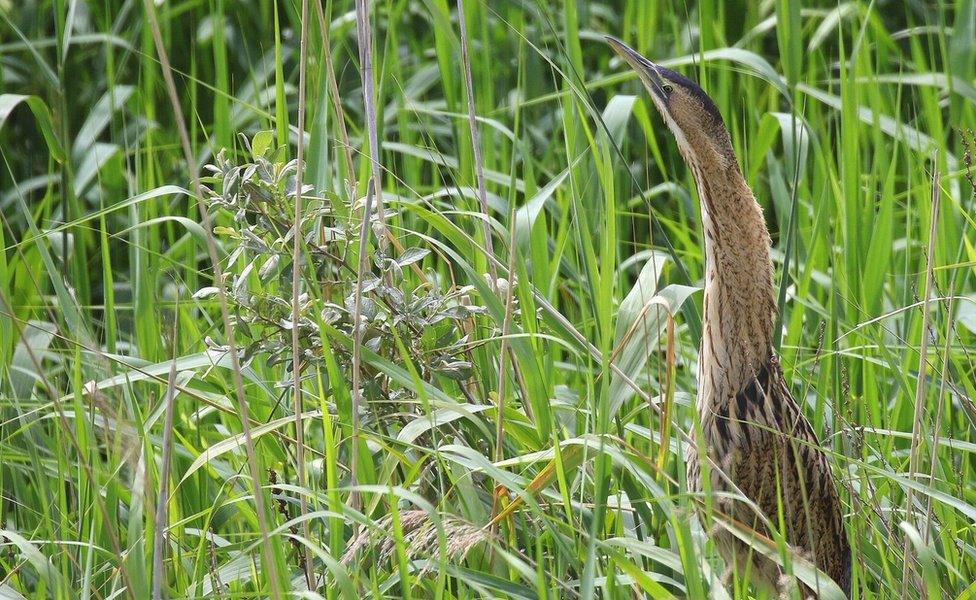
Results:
740 305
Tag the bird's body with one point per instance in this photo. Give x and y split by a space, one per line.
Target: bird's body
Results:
758 443
764 449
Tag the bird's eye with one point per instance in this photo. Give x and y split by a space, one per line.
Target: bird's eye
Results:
668 88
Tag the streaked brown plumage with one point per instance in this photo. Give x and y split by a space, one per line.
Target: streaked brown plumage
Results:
759 443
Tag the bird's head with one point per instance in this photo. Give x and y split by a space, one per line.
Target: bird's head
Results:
687 110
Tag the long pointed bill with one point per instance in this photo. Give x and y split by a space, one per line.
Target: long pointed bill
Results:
645 69
654 80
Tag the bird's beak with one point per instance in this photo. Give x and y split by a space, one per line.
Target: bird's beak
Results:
645 69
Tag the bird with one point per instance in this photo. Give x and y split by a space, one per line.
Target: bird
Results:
756 442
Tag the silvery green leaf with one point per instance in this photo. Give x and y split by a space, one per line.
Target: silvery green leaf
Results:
34 342
269 267
265 171
231 182
640 319
369 309
423 303
370 283
332 234
240 281
206 292
248 172
458 370
392 294
255 240
235 255
213 345
638 331
412 255
462 312
280 302
331 313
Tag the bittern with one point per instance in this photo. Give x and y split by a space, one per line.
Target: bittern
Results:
758 443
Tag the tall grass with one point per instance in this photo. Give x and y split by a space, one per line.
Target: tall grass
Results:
525 182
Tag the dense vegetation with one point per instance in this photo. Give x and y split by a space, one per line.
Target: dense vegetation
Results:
511 316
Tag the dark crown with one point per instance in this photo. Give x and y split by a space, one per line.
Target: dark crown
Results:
694 89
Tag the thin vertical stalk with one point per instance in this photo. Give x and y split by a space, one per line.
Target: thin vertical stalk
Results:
503 354
336 102
351 184
479 167
913 457
940 405
357 348
365 40
669 389
296 279
374 194
479 164
162 501
268 558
